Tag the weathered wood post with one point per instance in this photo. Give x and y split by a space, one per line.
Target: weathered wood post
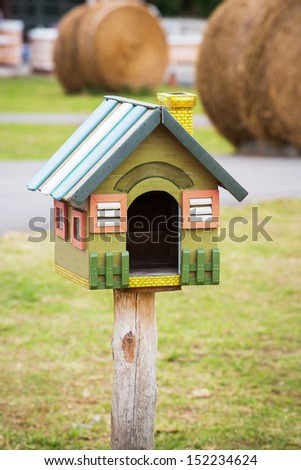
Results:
134 348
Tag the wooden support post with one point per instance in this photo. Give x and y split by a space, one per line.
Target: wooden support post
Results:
134 348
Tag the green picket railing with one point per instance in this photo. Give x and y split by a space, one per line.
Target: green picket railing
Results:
118 276
110 272
200 268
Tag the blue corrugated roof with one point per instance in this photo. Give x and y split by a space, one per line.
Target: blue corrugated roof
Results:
72 143
105 140
99 151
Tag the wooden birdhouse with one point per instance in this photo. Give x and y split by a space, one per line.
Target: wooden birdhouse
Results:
136 198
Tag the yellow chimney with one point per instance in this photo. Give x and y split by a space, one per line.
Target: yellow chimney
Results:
180 105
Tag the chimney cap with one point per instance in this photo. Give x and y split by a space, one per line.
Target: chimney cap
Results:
177 100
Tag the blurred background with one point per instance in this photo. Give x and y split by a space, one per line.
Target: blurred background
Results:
244 62
29 32
229 356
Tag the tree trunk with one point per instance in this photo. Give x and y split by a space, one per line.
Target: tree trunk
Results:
134 349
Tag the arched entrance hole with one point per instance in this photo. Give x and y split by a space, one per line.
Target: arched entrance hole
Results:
153 234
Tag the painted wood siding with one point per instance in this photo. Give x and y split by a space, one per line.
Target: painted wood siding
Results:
160 146
70 257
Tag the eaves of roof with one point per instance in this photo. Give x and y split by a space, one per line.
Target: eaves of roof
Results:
107 138
223 177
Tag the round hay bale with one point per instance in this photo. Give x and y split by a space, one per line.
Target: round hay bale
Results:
221 64
122 46
85 47
272 85
65 51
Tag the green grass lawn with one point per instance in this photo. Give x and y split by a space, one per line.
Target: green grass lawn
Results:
240 341
32 142
45 94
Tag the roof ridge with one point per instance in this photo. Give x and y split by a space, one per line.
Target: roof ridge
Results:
122 99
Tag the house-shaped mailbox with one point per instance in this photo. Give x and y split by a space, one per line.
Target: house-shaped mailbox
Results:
136 197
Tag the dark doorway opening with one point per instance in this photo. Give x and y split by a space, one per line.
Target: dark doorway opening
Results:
153 234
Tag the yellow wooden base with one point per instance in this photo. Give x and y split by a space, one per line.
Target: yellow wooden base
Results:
155 281
71 276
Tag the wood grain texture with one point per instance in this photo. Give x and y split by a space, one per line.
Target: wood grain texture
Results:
134 349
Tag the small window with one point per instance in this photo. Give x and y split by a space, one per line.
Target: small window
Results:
108 213
200 209
61 219
78 229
